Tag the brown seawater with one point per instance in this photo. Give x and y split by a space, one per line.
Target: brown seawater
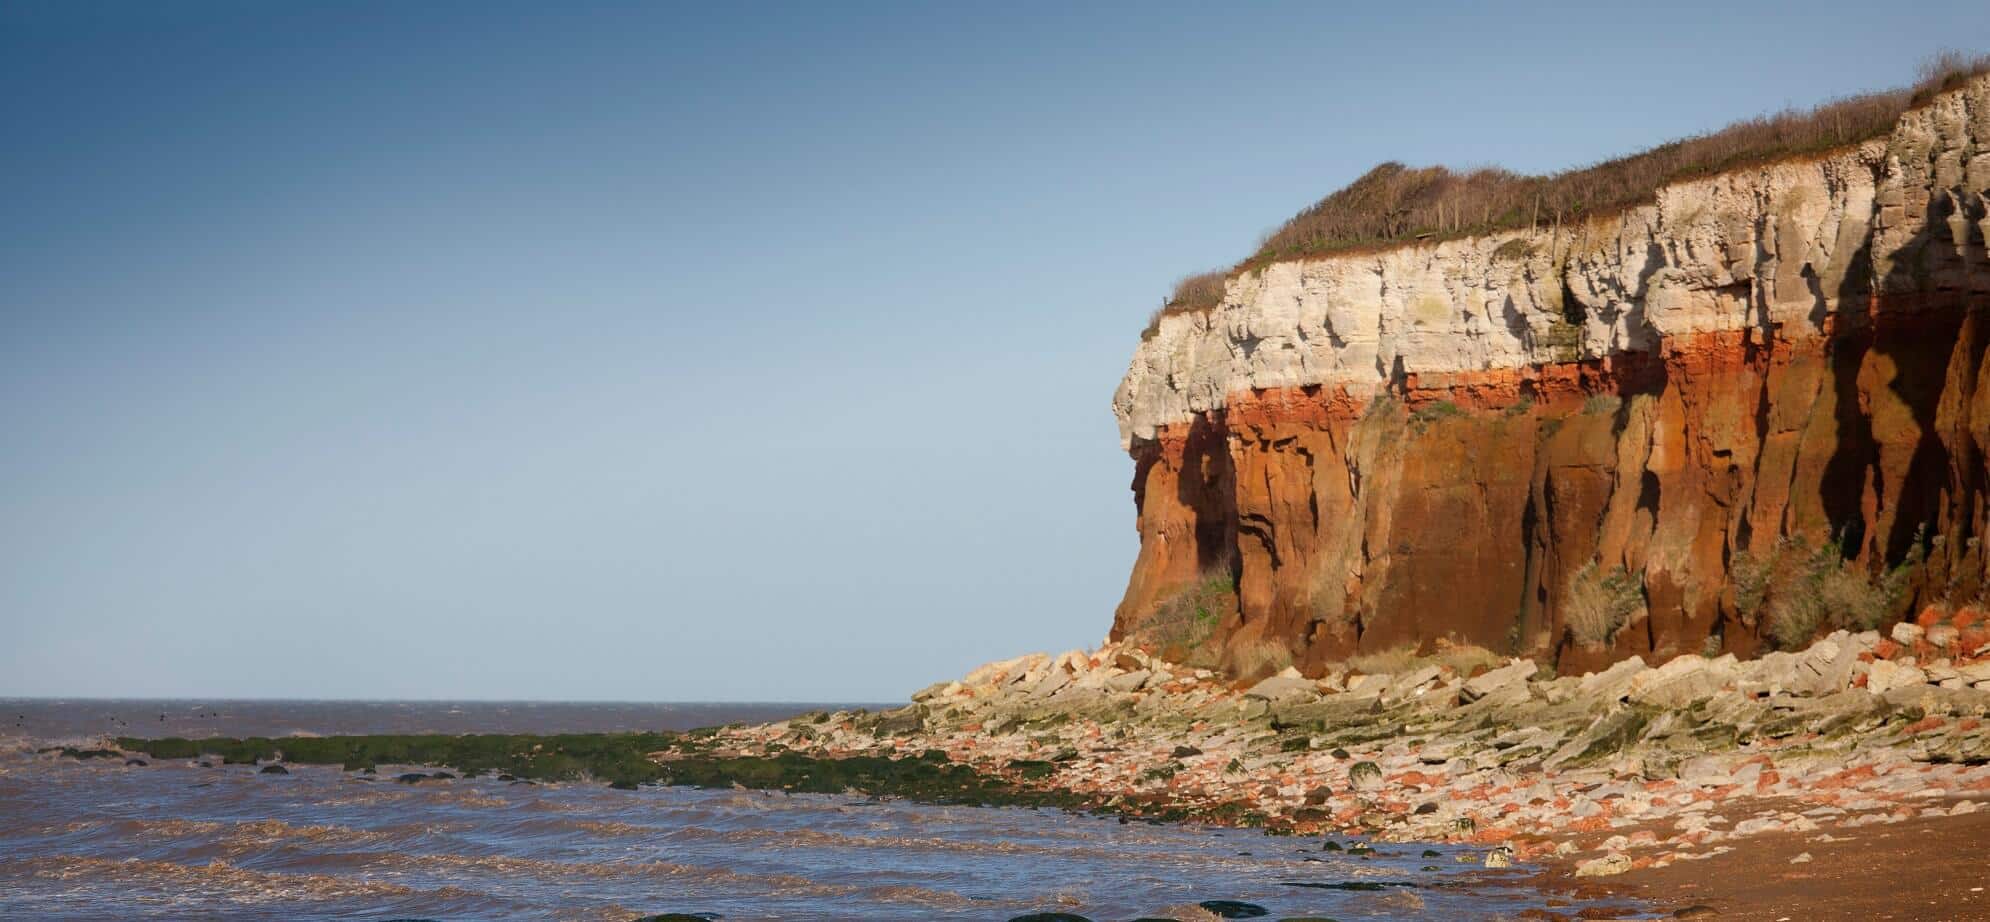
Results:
97 838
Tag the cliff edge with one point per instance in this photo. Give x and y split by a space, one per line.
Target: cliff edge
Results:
1729 419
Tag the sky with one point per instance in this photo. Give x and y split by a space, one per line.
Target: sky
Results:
690 352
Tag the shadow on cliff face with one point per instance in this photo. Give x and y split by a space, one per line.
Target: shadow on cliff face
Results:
1919 336
1842 488
1204 487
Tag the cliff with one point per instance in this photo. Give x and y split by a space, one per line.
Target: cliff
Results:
1731 418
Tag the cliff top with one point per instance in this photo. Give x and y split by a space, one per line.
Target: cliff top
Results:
1393 204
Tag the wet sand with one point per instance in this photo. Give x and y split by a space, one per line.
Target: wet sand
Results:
1928 868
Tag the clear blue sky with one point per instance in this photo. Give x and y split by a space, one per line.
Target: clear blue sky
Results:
707 351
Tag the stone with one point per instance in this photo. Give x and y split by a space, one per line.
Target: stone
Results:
1129 681
1234 909
1511 674
1368 686
1279 688
1365 776
1682 681
1499 858
1613 683
1606 866
1906 633
273 770
1883 676
1052 683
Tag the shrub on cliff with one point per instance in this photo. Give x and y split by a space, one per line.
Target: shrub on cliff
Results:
1180 627
1198 292
1797 590
1596 605
1257 658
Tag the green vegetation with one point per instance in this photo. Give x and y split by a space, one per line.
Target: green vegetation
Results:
625 760
1258 658
1800 590
1596 605
1599 404
1181 626
621 759
1423 416
1393 203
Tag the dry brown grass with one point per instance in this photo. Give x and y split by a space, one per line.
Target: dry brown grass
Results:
1257 659
1462 658
1596 605
1393 203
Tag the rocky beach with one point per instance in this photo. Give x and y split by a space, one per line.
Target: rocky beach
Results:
1604 780
1777 787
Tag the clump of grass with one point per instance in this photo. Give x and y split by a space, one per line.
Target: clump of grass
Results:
1599 404
1798 590
1461 658
1182 624
1258 658
1423 416
1596 605
1394 203
1199 292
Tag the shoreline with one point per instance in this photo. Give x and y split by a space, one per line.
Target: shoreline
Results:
1620 784
1625 782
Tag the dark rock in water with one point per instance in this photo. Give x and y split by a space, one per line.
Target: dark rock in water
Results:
1050 917
682 917
1366 886
1331 846
507 776
206 764
141 763
530 784
1697 911
1183 752
411 778
1234 909
274 770
1432 853
442 776
1308 919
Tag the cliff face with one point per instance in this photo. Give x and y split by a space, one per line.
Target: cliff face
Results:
1690 425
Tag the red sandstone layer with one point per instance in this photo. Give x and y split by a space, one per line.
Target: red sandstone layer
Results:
1465 507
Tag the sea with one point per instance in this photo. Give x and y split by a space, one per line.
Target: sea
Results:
100 839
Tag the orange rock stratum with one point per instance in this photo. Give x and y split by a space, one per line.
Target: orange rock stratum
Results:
1731 419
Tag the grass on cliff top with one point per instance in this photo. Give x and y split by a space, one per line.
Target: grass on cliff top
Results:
1393 203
